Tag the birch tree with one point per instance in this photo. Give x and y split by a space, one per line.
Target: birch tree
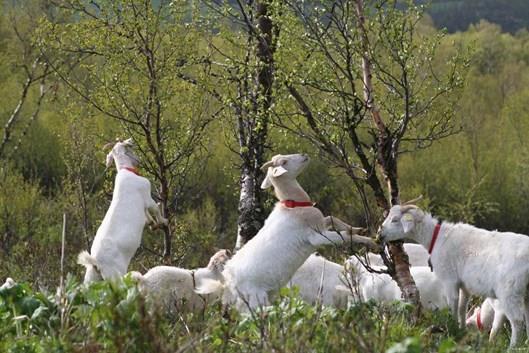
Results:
134 55
34 74
365 89
242 57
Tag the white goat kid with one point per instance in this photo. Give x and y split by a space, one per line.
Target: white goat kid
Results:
473 260
318 279
173 288
292 231
417 255
9 283
119 235
487 317
382 288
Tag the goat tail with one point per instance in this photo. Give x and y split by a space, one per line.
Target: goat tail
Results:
84 258
208 286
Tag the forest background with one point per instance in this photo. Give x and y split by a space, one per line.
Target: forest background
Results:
52 161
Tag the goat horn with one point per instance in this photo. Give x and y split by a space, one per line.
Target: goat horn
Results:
266 165
406 208
108 145
413 201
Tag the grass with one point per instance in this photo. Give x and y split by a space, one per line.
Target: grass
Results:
113 317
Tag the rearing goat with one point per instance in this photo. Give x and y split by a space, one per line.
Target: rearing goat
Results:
293 231
119 235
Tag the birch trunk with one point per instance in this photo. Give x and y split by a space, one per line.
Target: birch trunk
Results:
387 160
253 128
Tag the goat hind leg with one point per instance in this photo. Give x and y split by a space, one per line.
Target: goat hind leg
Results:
514 310
462 307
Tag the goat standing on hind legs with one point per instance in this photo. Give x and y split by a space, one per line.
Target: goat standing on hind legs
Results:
292 231
132 206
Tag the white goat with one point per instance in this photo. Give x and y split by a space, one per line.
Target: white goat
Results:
487 317
9 283
317 280
119 235
417 256
173 288
477 261
293 231
382 288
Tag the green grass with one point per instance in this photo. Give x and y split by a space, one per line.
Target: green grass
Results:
107 317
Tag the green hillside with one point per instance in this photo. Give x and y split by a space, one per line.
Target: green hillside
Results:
457 15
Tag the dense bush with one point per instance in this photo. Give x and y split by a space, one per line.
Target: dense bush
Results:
107 317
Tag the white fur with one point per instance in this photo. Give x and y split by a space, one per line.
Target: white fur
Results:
173 288
417 255
9 283
491 316
119 235
317 280
473 260
382 288
267 262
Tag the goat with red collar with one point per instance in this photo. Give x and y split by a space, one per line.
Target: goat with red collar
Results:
292 231
172 289
469 260
487 317
119 235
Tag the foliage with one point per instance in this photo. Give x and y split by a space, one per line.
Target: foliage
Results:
479 176
457 15
113 317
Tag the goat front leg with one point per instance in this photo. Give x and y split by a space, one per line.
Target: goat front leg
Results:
497 324
154 214
329 238
150 220
452 297
336 224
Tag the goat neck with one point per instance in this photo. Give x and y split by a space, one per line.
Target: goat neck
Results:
424 230
122 161
289 190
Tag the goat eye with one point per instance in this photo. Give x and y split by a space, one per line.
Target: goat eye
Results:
394 220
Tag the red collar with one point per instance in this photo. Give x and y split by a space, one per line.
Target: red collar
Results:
434 237
131 169
294 204
478 320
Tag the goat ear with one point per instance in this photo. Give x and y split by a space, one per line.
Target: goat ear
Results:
266 182
408 222
129 142
110 159
278 171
